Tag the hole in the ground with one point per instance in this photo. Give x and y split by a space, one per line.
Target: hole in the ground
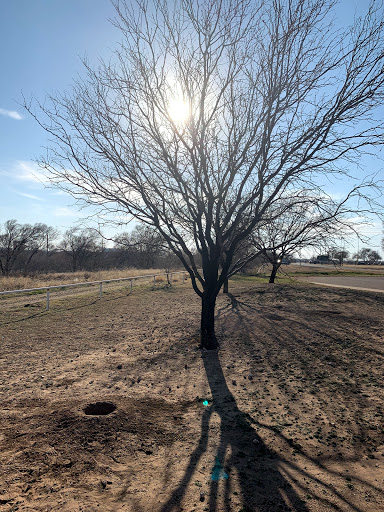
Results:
99 408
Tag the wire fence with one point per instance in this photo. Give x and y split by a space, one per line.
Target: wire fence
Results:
48 289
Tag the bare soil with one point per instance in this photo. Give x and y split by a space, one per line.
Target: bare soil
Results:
287 416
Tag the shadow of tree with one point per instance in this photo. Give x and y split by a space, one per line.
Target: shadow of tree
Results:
288 346
267 482
285 337
241 454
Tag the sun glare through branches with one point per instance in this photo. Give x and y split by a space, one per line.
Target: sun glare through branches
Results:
178 110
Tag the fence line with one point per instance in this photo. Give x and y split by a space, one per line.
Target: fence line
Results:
100 283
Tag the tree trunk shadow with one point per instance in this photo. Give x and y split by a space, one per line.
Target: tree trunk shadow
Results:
241 455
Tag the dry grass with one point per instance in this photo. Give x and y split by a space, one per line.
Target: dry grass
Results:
43 280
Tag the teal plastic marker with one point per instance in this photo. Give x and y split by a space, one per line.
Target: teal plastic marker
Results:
218 471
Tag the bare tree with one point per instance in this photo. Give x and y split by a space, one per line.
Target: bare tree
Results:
210 113
338 253
367 255
144 247
145 244
41 238
80 245
18 240
374 257
293 225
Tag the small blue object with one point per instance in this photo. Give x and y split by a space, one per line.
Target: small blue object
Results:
218 471
205 403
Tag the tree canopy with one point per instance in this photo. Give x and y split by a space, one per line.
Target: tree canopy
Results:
211 113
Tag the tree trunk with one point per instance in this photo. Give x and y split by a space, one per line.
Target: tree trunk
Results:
208 337
26 266
74 262
275 268
225 286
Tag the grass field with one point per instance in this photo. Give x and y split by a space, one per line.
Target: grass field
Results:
287 416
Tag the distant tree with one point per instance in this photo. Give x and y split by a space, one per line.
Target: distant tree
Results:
125 255
145 248
342 255
364 254
17 240
303 225
367 255
143 244
42 239
339 254
80 245
361 255
13 241
210 113
374 257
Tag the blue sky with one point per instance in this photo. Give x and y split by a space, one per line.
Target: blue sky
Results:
41 44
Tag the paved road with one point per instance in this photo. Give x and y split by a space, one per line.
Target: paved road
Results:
370 283
358 268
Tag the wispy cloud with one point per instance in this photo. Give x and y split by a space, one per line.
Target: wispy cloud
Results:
25 171
11 113
29 196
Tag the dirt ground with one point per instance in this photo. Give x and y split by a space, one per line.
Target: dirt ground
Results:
287 416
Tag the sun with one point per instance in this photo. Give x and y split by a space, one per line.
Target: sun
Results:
178 110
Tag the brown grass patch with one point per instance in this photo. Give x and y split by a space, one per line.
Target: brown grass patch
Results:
54 279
